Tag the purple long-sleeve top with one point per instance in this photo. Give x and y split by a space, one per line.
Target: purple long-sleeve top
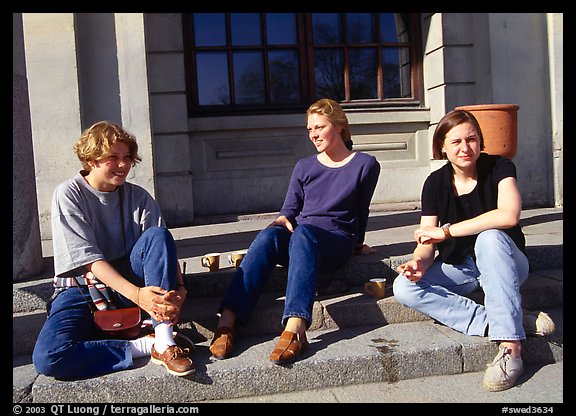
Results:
336 199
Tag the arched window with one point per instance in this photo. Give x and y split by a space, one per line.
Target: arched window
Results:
262 63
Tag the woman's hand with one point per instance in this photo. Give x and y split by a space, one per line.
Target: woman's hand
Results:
283 222
413 270
429 235
174 300
162 305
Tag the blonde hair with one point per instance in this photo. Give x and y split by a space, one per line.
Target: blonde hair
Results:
98 139
335 114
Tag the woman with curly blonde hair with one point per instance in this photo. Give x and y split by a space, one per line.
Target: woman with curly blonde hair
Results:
111 250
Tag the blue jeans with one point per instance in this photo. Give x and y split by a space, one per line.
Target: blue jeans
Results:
69 345
500 269
306 252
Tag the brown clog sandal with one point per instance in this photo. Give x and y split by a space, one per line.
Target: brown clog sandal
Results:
222 343
289 347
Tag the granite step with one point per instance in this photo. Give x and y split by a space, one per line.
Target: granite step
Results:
335 357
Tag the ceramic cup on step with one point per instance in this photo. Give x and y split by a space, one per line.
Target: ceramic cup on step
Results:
211 261
235 258
376 287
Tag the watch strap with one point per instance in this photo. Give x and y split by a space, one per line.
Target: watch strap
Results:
446 229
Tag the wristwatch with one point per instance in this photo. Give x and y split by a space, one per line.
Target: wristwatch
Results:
446 229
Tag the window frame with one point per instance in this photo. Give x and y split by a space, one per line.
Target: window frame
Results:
305 52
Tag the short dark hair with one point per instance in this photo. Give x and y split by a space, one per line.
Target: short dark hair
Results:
447 123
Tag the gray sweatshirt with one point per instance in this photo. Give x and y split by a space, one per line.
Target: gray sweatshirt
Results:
87 224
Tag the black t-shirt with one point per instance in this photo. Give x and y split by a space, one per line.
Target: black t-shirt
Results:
439 199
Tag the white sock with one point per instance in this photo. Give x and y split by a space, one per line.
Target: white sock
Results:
141 347
163 337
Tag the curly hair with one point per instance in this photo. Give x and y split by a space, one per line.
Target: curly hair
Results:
98 139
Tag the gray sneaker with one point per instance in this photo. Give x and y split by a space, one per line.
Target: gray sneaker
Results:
537 323
503 372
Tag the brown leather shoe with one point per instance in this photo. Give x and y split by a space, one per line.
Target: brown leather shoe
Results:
222 343
289 347
175 359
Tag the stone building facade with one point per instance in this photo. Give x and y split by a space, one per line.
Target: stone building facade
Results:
130 68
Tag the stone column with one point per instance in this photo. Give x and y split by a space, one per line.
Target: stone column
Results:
53 92
27 258
134 94
555 26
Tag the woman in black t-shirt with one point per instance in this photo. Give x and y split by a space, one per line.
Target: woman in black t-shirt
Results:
470 213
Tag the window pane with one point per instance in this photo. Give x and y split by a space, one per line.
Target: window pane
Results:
245 28
326 28
329 73
248 77
284 81
360 28
363 73
209 29
393 27
396 68
281 28
213 86
270 61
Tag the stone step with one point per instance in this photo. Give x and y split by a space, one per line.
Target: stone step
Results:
335 357
543 289
390 233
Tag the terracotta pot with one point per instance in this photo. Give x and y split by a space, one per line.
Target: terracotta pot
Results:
499 124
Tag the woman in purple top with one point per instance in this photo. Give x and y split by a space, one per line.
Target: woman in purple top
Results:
321 224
